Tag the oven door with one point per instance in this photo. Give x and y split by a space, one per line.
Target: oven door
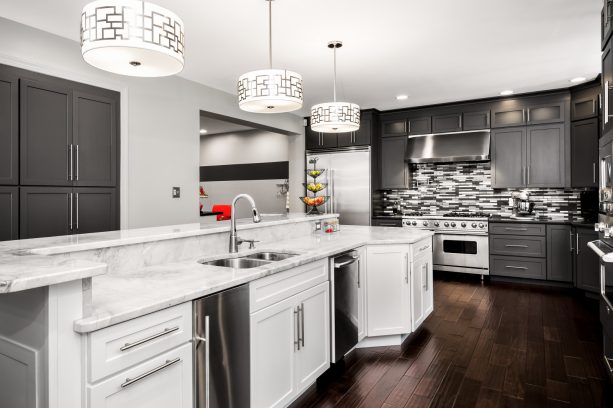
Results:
606 179
461 253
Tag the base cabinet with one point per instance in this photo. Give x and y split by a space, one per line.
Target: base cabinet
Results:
362 294
290 346
387 279
422 295
164 381
587 263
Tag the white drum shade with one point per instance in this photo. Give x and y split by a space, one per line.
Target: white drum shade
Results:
335 117
132 37
270 91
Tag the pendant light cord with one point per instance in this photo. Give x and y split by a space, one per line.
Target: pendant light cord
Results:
269 34
335 74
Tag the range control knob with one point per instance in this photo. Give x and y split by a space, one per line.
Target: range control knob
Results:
453 224
446 224
481 225
436 223
414 223
425 223
463 225
474 225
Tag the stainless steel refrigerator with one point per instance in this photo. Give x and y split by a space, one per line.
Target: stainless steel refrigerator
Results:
348 177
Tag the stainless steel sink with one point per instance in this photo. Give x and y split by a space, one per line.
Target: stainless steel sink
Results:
238 263
270 256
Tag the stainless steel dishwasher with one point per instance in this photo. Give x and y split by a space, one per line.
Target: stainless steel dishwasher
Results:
221 349
345 284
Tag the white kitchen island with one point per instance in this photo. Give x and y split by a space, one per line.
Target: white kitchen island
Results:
69 305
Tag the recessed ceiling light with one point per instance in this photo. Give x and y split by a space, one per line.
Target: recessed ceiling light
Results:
577 80
507 92
402 97
203 131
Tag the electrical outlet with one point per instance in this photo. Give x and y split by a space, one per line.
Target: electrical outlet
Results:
318 226
176 192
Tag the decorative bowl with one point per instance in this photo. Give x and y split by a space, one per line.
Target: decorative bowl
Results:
314 201
314 173
315 187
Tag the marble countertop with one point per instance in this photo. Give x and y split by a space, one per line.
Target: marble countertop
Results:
559 221
120 298
25 264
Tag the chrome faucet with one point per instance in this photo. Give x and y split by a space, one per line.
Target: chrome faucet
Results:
235 241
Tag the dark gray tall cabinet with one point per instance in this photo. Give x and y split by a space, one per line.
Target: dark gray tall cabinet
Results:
59 150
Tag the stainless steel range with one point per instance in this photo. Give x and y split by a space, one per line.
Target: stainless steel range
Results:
460 241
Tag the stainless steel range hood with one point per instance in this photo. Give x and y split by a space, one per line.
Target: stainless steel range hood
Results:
449 147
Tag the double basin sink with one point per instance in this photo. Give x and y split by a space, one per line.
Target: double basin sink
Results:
250 261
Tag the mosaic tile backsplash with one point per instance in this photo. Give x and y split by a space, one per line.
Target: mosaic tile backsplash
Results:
441 188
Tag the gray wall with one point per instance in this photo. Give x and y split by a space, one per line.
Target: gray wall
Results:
241 148
159 124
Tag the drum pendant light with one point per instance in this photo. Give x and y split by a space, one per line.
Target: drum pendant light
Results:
335 117
270 90
132 37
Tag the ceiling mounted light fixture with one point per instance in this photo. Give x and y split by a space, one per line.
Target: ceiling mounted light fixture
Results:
402 97
335 117
270 90
578 79
507 92
132 37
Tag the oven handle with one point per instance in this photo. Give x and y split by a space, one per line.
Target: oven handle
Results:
468 234
603 283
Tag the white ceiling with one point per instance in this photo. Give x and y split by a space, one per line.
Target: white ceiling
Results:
433 51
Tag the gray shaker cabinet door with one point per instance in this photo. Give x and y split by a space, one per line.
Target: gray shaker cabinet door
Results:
95 210
584 153
507 151
587 263
559 253
45 212
394 170
9 213
46 133
9 128
95 140
545 157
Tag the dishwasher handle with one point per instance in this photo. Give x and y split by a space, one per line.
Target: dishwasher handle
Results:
354 258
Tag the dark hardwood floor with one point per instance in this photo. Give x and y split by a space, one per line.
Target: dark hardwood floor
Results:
490 345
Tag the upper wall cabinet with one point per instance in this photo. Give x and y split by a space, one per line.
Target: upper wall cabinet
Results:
9 128
67 137
419 125
606 28
394 127
95 140
529 111
476 120
46 133
585 103
447 123
607 84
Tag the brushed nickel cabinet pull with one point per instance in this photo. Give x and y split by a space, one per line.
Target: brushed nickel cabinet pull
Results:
77 202
297 327
302 324
516 246
571 242
406 272
71 166
128 346
516 267
577 243
168 363
516 229
77 165
70 199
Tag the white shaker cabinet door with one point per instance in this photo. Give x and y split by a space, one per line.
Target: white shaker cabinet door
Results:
361 283
388 294
418 279
429 286
161 382
313 355
274 330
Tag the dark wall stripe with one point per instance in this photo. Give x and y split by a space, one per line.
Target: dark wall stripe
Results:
251 171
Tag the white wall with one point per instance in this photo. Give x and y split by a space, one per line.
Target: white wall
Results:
159 124
254 146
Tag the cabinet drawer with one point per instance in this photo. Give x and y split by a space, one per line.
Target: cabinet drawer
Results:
517 245
421 248
272 289
531 268
124 345
517 229
161 382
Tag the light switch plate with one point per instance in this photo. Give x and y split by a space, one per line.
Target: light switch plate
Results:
176 192
318 226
